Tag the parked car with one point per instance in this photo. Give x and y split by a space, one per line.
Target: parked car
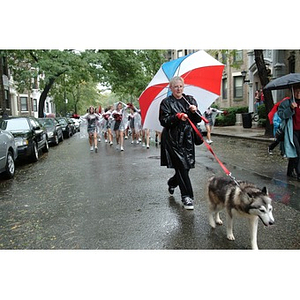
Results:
66 128
77 124
54 130
30 136
72 125
8 154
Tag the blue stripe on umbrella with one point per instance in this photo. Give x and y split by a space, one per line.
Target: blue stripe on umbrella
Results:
170 67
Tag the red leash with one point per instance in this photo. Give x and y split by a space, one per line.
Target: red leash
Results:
211 150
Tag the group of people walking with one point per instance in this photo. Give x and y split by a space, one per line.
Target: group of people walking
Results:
117 122
177 138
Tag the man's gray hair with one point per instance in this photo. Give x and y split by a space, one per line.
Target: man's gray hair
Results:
174 79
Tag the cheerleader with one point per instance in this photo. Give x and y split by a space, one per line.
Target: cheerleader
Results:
108 124
134 123
119 115
208 114
100 123
92 119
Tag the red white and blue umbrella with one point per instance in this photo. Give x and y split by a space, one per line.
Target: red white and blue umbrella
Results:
202 76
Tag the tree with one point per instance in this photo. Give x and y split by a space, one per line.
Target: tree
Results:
49 65
264 80
125 72
2 93
128 72
80 95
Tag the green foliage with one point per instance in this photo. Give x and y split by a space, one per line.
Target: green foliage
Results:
262 112
66 74
262 122
128 72
229 118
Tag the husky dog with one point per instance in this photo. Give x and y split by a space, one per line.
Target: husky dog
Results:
240 198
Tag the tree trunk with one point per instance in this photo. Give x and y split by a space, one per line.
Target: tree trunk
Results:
45 93
264 80
2 93
44 96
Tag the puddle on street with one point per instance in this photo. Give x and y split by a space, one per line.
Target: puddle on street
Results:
285 193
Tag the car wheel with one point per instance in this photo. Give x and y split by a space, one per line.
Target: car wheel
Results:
35 152
46 147
10 166
256 118
56 141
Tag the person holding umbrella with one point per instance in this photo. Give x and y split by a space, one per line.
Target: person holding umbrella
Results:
289 112
177 139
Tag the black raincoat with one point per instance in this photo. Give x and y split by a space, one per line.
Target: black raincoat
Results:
177 139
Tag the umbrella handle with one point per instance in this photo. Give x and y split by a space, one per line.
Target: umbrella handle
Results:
293 94
197 112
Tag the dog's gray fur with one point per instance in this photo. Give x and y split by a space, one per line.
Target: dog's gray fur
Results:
245 199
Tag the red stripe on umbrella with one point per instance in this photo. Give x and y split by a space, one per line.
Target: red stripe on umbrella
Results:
205 77
147 97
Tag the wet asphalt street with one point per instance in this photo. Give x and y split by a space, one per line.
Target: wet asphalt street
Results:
76 199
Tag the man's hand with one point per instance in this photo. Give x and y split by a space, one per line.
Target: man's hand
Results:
294 105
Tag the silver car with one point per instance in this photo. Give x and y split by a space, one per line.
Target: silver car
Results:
8 154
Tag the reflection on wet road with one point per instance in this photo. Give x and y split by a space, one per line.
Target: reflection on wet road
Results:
73 198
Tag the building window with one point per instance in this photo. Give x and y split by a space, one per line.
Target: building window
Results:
238 87
4 65
7 102
24 104
292 63
224 88
224 58
238 56
34 104
35 83
179 53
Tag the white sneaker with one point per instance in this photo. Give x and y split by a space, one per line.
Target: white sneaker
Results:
122 149
96 149
111 143
188 203
209 141
91 148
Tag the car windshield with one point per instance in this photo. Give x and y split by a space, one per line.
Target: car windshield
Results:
62 121
47 122
15 124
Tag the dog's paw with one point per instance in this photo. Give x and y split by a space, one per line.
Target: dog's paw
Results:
230 237
219 221
212 222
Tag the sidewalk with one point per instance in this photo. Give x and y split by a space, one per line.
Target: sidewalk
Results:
238 131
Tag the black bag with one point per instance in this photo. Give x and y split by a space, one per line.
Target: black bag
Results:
197 139
279 134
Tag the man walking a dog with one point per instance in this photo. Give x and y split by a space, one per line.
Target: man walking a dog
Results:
177 139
